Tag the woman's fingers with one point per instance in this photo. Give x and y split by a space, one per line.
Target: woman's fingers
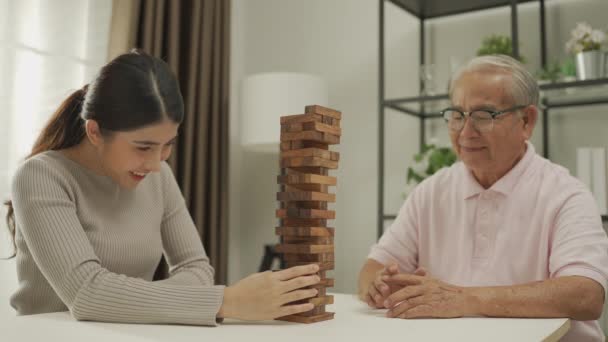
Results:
300 282
296 271
297 295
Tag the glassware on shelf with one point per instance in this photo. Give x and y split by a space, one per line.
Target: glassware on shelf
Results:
427 79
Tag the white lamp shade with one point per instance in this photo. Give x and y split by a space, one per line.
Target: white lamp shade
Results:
268 96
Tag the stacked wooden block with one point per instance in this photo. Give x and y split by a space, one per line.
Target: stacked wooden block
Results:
304 196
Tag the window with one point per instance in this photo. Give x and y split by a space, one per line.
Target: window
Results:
48 49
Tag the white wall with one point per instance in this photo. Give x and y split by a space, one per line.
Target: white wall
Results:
338 40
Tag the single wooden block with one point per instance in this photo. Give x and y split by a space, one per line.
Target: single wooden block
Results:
303 222
312 125
321 137
313 249
316 109
297 118
288 196
304 231
294 177
330 121
312 152
310 319
309 240
307 187
317 310
323 265
308 161
305 213
305 205
308 257
302 144
327 282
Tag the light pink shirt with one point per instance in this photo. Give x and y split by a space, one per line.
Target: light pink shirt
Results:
536 222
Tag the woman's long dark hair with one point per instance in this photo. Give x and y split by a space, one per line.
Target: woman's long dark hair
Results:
132 91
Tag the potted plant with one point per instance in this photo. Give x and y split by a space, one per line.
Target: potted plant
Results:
497 45
430 160
585 43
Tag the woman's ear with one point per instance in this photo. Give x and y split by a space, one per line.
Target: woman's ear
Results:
93 132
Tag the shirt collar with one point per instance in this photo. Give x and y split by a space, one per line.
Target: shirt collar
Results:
504 185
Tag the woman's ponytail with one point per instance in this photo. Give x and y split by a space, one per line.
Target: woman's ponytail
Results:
64 129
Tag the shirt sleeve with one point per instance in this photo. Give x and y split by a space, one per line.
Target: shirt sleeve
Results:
399 243
183 249
47 219
579 245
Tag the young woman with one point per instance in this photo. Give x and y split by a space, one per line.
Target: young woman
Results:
95 207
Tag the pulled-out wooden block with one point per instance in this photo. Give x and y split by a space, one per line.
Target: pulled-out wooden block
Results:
305 213
316 109
303 222
305 196
312 152
309 240
304 231
317 170
307 187
312 125
308 257
322 137
310 319
306 205
308 161
312 249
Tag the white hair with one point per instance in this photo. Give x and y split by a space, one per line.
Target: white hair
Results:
523 90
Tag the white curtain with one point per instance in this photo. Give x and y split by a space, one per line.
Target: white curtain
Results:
48 49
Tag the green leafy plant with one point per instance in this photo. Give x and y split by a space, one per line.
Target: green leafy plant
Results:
551 72
428 161
568 68
497 44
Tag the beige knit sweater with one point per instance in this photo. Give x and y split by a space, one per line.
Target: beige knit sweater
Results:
88 246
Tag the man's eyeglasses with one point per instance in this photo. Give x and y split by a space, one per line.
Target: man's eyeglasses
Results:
483 120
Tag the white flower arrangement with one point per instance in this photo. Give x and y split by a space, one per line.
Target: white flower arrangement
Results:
585 38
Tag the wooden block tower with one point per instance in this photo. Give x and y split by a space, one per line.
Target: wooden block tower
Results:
304 182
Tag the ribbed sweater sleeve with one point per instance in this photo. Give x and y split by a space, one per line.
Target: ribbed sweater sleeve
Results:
183 249
46 215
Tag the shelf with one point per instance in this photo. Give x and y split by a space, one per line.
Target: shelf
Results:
553 95
392 217
440 8
576 93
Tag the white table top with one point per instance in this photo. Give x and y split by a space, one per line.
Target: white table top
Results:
353 322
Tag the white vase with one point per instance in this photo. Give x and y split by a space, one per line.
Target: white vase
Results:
590 65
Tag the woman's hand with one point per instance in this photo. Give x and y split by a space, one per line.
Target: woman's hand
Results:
263 296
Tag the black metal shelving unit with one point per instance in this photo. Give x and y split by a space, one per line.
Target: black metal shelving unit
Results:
415 106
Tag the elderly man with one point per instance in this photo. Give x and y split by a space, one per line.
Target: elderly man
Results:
504 232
